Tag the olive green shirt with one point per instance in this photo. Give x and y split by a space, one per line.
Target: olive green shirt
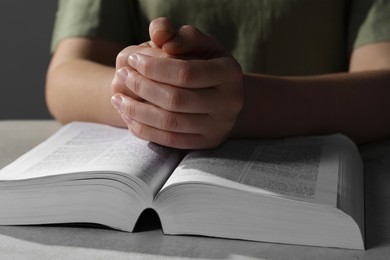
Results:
277 37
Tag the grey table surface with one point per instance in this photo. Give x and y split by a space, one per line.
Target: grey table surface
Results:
90 242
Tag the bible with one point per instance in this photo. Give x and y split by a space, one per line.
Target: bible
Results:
298 190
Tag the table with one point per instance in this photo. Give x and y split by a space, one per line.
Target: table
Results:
91 242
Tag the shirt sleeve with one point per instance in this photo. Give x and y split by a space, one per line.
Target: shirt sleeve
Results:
114 20
369 22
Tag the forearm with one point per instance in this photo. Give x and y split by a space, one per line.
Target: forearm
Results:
81 90
356 104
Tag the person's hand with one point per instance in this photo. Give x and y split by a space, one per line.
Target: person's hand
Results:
160 32
183 103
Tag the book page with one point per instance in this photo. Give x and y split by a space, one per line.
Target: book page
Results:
88 147
288 168
296 168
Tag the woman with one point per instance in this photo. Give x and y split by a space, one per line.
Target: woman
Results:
269 69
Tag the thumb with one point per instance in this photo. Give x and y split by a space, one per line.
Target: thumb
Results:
161 30
191 41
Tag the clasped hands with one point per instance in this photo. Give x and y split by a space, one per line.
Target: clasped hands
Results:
180 89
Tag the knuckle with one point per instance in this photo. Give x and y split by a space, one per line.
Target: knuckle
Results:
175 100
135 83
169 122
145 68
185 73
121 58
116 87
129 108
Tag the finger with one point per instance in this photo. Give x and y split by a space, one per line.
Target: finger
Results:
185 73
190 40
171 98
118 84
123 56
155 117
166 138
161 30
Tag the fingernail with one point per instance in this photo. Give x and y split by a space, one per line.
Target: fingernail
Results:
158 30
122 74
117 102
133 60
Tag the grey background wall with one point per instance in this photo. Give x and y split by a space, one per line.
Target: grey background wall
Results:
25 33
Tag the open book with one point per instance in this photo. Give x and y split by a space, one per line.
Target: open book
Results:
304 190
